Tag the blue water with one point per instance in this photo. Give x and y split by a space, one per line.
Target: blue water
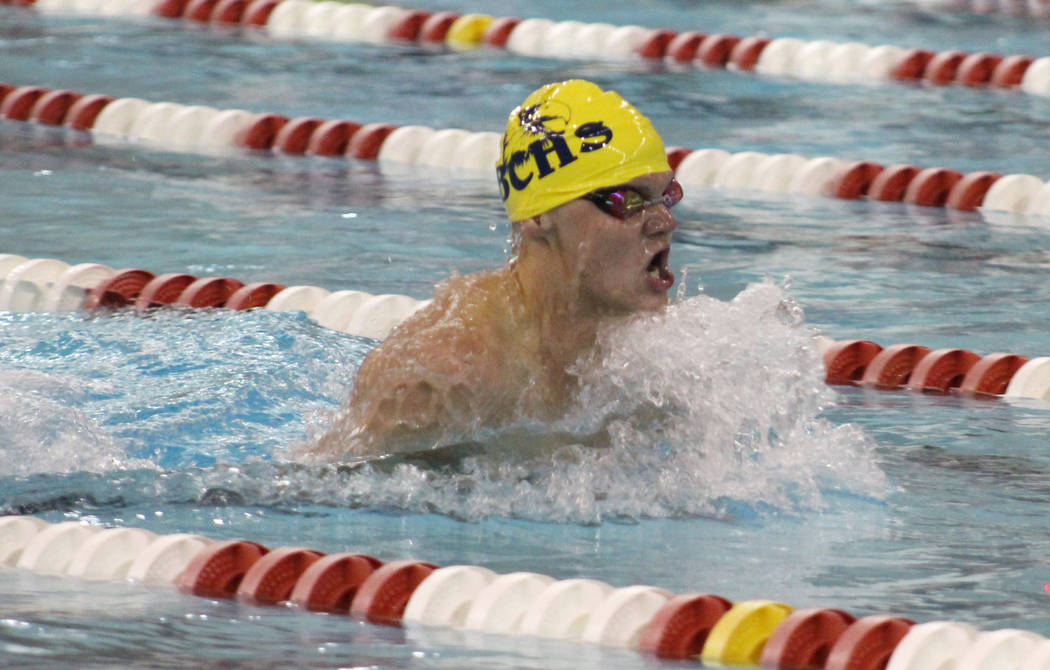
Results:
932 507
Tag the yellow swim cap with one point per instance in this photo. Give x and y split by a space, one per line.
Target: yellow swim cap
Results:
568 139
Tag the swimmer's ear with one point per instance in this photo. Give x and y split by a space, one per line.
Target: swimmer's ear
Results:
537 226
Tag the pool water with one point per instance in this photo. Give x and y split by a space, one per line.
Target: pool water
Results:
767 484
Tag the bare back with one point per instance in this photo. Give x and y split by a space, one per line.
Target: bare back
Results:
467 361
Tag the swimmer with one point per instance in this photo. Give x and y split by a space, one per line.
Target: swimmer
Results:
588 190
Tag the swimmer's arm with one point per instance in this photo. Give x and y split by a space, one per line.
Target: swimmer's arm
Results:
410 403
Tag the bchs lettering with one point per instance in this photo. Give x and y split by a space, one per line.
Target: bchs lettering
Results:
512 173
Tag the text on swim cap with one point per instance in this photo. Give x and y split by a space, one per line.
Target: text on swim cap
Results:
516 173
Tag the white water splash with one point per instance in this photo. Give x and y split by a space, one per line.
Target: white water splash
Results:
42 430
708 404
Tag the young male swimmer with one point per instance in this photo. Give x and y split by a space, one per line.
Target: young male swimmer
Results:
587 187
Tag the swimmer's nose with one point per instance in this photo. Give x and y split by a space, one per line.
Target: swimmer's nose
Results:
659 220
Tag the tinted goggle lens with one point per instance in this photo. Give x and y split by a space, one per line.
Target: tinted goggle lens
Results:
625 202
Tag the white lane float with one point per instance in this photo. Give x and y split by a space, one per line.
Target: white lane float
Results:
446 595
404 144
619 618
562 609
737 171
501 605
380 314
68 291
699 167
335 309
109 553
441 148
297 298
775 173
15 534
936 644
163 560
50 551
25 288
1012 193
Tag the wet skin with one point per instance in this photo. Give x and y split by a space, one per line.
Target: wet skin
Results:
495 348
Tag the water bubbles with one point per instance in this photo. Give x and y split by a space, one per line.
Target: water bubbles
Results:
707 407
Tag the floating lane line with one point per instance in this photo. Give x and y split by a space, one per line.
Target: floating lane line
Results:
51 285
196 128
411 593
817 60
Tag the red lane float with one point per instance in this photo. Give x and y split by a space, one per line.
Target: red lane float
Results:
977 69
942 370
747 51
120 290
715 50
170 9
330 583
208 292
680 628
256 294
930 187
200 10
272 577
83 112
229 11
331 138
408 26
499 31
683 48
912 65
163 290
846 361
1010 72
257 13
294 136
383 596
262 133
435 27
218 569
992 374
52 107
18 104
892 366
891 184
968 194
805 638
943 67
656 44
855 180
675 156
366 142
868 643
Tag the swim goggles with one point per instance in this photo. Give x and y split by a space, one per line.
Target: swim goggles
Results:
624 202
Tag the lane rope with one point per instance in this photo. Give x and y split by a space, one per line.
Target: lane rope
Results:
51 285
816 60
195 128
409 592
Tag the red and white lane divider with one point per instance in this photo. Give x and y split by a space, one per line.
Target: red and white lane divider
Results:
179 127
195 128
834 177
51 285
1015 7
410 593
821 60
917 368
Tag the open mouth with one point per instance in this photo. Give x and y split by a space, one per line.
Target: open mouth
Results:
659 276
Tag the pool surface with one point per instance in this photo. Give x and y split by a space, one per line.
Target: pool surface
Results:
769 484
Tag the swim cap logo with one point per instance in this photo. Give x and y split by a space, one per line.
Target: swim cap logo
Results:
549 120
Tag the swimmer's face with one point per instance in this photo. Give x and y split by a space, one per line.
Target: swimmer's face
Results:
619 264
